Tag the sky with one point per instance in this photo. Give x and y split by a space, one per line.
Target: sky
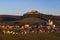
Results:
19 7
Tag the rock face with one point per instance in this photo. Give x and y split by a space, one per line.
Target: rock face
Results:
35 15
32 12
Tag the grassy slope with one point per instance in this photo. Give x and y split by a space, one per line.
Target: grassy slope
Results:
33 36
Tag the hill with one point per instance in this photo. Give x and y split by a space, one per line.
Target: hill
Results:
28 16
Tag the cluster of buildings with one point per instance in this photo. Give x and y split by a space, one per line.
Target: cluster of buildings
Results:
28 29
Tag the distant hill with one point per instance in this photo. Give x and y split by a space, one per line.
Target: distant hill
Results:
28 15
6 18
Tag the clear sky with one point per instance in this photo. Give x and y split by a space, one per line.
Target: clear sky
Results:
19 7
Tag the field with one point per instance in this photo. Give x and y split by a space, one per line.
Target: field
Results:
32 36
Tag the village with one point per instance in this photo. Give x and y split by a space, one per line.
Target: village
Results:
25 29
